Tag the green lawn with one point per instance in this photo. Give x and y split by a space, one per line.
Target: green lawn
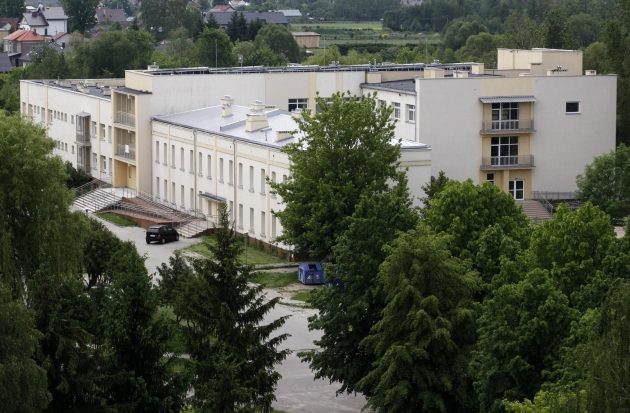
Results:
252 255
274 279
120 220
302 295
324 26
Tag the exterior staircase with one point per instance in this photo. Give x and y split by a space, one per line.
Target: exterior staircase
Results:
97 199
534 210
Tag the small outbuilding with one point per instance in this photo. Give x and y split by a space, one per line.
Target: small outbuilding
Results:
307 39
311 273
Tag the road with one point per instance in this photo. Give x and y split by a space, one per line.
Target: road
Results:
297 390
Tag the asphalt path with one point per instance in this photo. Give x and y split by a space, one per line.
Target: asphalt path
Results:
297 391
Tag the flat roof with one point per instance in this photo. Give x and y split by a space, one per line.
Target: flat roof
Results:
407 86
210 120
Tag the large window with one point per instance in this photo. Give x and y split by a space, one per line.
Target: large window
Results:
505 115
231 172
221 170
181 159
262 182
504 150
396 112
251 179
298 103
157 152
411 113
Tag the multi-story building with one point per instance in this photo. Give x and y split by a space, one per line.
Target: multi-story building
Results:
531 125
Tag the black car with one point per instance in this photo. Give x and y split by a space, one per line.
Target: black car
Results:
161 234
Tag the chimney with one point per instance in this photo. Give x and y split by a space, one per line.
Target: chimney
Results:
433 73
282 135
256 118
226 105
460 74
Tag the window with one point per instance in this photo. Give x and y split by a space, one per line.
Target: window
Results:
381 103
200 164
109 161
505 115
192 198
262 182
573 107
273 226
173 156
251 179
284 179
396 112
221 170
490 178
181 159
181 196
94 129
173 193
72 119
165 155
240 216
299 103
102 131
251 220
157 187
73 149
262 223
232 211
411 113
231 172
166 190
504 150
240 175
517 189
157 152
191 163
94 160
209 167
109 137
103 163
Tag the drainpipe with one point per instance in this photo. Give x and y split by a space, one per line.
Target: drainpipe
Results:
194 168
234 181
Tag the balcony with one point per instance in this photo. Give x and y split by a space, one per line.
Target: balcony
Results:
83 138
125 118
503 126
126 151
507 162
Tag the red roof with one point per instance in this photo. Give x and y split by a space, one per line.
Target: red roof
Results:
25 36
222 7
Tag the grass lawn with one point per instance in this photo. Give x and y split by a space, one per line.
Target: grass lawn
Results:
274 279
324 26
119 220
302 295
252 255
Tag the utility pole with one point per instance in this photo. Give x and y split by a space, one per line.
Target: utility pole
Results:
216 54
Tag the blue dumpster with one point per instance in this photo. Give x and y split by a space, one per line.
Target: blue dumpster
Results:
311 273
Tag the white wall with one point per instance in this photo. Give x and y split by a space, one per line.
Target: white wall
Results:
405 129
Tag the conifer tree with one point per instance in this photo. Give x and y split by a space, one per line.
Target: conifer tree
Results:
232 350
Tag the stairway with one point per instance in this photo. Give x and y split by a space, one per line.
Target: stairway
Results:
194 228
97 200
534 210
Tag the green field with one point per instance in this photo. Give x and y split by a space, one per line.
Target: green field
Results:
361 33
118 220
302 295
251 255
274 279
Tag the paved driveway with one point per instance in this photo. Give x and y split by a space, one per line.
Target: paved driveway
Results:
297 390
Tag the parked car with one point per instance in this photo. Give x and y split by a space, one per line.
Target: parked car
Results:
161 234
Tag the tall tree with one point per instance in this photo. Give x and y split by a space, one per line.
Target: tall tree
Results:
322 193
423 340
280 40
348 311
81 14
214 49
606 182
11 8
232 350
554 29
237 27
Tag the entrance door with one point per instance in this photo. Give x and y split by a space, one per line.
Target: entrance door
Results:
517 189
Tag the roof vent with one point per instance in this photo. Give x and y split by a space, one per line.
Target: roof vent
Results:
256 118
590 72
154 66
282 135
226 105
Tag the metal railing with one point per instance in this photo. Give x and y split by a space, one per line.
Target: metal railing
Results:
196 213
83 138
506 162
507 125
546 198
125 118
90 186
126 151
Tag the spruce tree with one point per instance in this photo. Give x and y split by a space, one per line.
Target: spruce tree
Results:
232 350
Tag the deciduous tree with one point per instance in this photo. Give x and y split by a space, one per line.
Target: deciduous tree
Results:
81 14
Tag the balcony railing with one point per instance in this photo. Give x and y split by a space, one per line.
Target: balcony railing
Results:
508 162
499 126
125 118
83 138
126 151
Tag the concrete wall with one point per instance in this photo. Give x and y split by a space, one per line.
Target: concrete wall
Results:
405 129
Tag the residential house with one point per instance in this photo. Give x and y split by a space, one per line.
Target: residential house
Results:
106 17
307 39
45 21
270 17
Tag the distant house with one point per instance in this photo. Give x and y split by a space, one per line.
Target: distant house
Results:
45 21
110 16
291 14
221 8
307 39
411 2
238 3
19 44
7 25
270 17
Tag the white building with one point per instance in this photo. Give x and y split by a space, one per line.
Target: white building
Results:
45 21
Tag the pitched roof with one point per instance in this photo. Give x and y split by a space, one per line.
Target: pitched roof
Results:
55 13
25 36
111 15
222 8
291 13
270 17
35 18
